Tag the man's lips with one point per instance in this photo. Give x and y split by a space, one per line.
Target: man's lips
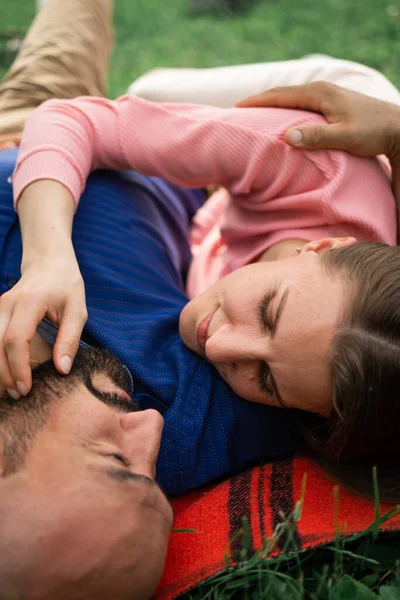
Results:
202 330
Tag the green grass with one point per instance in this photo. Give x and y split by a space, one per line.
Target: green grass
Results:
358 569
155 33
365 566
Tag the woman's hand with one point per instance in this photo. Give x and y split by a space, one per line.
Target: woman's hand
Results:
51 285
358 124
52 288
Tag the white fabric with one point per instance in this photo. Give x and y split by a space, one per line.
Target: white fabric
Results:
224 86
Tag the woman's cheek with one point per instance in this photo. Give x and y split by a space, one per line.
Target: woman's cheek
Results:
246 388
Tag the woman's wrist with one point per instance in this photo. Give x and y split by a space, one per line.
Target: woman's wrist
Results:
46 211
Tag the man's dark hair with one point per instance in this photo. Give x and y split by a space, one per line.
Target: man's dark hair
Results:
21 420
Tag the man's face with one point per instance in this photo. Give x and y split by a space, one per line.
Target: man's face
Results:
267 328
89 474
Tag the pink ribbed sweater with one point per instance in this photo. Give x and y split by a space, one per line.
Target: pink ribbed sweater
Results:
274 192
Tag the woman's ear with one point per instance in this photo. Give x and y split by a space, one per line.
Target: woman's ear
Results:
328 244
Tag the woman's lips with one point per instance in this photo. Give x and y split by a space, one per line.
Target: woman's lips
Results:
202 330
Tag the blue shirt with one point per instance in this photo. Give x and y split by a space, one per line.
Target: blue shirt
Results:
131 240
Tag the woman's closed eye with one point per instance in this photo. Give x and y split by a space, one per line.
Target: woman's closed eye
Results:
263 312
266 326
267 383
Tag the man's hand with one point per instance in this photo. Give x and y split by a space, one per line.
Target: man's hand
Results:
357 123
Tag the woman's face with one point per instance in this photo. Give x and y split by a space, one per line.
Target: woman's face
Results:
267 328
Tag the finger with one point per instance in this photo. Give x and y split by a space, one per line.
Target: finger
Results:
313 137
69 335
308 96
27 314
6 311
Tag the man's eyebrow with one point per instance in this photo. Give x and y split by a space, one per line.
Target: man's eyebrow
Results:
113 399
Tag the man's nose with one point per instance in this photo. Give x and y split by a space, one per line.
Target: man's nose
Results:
235 344
143 431
146 420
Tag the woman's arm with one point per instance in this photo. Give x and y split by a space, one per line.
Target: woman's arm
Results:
193 146
51 284
188 145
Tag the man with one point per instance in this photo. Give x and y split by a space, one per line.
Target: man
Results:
81 515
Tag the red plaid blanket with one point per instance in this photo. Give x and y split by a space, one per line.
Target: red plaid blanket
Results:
260 495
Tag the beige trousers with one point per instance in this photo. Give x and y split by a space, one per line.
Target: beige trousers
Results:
65 54
224 86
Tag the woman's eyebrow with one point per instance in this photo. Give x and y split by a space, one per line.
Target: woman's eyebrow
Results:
279 310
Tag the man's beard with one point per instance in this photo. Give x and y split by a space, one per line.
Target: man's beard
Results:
21 420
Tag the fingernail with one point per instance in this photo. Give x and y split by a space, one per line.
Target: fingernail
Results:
296 137
66 363
21 388
14 395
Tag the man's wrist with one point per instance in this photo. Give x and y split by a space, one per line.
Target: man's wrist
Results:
393 136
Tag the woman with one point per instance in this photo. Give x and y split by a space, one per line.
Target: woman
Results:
244 152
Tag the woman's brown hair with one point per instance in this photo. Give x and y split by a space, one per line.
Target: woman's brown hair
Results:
363 429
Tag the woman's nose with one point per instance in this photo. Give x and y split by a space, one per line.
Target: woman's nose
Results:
230 344
143 431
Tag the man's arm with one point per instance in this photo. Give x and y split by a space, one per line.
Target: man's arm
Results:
359 124
395 164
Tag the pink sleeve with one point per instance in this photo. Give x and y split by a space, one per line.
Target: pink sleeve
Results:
193 146
277 192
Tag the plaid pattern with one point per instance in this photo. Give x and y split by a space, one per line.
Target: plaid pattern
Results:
260 494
